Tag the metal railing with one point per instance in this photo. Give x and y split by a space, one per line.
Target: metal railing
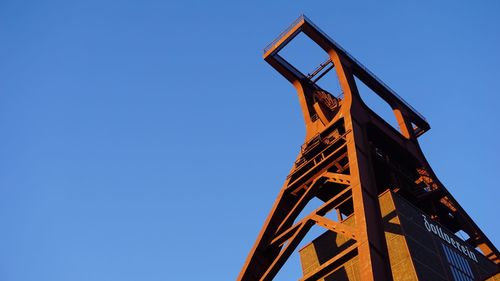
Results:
283 33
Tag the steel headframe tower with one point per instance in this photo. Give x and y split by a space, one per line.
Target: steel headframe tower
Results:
349 158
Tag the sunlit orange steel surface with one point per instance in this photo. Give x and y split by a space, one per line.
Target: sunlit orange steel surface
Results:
350 156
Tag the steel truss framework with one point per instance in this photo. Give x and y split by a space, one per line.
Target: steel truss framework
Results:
349 157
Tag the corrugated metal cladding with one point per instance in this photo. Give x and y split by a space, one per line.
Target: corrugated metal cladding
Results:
419 249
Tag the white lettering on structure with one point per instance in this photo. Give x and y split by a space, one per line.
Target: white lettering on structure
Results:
436 229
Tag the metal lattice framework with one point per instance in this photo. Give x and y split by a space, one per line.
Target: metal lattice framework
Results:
350 155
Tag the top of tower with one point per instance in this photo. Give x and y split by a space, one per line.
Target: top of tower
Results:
304 25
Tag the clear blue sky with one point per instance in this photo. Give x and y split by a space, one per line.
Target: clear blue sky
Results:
147 140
